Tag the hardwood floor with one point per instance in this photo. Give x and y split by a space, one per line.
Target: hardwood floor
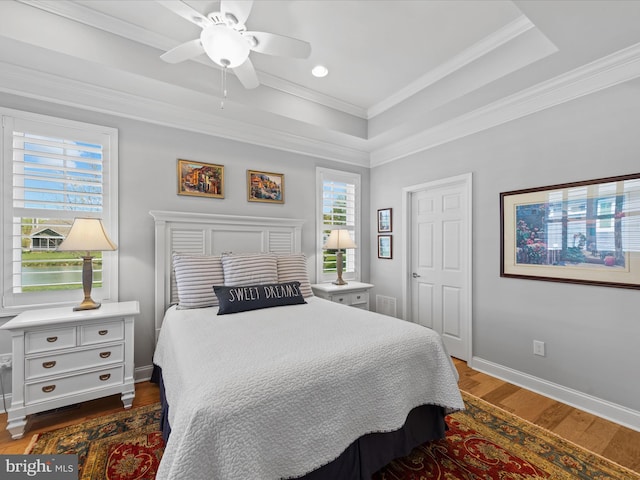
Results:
146 393
608 439
617 443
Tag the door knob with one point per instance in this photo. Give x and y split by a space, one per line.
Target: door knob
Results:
415 275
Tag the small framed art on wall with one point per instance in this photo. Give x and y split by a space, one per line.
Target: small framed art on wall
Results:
384 220
385 243
200 179
265 187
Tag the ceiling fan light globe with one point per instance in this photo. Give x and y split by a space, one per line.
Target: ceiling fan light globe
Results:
224 45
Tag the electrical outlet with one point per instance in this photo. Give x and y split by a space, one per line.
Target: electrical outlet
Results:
538 348
5 361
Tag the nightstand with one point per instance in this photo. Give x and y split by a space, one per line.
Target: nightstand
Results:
62 357
354 294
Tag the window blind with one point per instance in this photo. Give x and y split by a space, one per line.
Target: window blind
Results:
56 170
339 200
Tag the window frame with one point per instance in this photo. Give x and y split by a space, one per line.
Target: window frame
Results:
10 303
328 174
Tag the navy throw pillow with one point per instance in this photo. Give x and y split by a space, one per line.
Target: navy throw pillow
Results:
254 297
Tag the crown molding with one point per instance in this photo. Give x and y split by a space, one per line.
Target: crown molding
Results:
88 16
500 37
619 67
48 87
603 73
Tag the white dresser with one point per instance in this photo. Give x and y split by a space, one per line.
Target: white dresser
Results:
62 357
355 294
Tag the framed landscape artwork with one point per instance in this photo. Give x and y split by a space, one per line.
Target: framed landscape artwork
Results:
384 220
584 232
200 179
265 187
384 246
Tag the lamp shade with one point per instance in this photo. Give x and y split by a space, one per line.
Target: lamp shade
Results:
224 45
87 234
339 239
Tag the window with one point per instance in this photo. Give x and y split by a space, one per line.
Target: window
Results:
338 200
53 171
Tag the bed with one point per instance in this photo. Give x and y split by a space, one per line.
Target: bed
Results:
262 380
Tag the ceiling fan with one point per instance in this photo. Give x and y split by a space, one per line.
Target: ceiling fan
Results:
225 39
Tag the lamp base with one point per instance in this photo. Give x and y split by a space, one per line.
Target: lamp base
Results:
87 280
339 264
87 304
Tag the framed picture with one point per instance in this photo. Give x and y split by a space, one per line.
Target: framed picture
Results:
585 232
384 246
384 220
265 187
200 179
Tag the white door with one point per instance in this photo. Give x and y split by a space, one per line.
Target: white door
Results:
440 263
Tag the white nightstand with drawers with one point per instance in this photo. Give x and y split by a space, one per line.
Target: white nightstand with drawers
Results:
354 294
62 357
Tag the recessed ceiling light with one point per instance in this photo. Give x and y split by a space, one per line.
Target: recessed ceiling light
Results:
319 71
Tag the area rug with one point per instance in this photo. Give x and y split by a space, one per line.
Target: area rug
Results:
124 446
483 443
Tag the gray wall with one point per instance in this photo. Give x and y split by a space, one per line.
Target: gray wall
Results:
591 333
147 181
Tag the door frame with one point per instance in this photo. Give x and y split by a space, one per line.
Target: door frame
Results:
464 180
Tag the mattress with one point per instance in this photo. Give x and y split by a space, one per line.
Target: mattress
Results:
279 392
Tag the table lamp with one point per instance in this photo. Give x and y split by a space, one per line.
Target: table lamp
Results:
87 234
339 240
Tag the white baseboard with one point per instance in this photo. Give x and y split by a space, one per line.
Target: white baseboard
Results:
143 374
597 406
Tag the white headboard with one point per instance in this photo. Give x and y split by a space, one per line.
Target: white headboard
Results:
214 234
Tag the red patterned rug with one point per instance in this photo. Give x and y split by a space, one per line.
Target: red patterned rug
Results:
483 443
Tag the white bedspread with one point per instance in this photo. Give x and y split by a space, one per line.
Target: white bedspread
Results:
279 392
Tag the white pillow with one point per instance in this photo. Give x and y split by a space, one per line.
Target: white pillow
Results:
195 277
250 269
293 268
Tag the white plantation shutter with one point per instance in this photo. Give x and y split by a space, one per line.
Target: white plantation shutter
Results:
53 171
61 174
338 197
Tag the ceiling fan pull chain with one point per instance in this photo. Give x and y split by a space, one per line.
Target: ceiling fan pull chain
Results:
224 87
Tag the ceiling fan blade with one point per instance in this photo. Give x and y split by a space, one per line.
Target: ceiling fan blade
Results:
247 75
273 44
238 8
183 52
186 12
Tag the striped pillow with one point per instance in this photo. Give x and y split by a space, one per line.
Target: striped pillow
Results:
195 277
293 268
249 269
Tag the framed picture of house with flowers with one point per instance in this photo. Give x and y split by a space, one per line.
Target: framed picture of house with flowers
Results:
584 232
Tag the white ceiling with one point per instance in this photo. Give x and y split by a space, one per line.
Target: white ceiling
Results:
405 75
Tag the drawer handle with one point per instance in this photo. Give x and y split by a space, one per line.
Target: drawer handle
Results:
105 354
52 339
50 364
103 332
341 299
105 377
358 297
48 388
